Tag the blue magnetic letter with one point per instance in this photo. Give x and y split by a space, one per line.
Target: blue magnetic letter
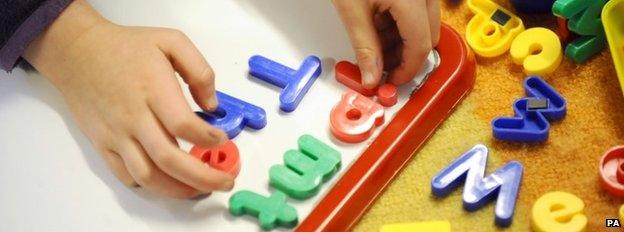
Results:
232 115
294 83
531 125
536 87
470 167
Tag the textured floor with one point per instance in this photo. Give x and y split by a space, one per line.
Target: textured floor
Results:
568 161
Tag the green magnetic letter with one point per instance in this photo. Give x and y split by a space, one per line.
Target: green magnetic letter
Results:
272 211
305 169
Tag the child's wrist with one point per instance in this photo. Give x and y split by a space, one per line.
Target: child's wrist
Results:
51 46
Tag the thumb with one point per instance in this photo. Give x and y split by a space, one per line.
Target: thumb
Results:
357 17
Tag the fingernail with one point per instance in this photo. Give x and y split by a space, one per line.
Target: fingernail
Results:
222 137
368 79
227 185
369 67
219 136
212 103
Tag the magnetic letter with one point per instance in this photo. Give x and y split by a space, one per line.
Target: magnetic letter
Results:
232 115
304 170
583 19
349 75
558 211
538 50
225 158
531 123
504 182
492 28
353 119
272 211
294 83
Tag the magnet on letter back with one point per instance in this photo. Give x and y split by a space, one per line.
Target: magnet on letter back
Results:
225 158
294 83
492 28
353 119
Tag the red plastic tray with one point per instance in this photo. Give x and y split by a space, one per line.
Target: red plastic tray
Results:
426 109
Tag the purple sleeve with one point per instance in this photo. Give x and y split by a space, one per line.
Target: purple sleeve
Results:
21 22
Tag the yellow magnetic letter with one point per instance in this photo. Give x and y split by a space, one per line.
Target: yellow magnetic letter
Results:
558 211
492 28
614 30
437 226
538 50
622 213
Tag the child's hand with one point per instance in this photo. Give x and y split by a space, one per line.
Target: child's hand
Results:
121 86
391 35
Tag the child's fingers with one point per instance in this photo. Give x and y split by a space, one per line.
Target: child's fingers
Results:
358 19
178 164
171 108
433 6
415 31
192 67
204 94
148 176
117 166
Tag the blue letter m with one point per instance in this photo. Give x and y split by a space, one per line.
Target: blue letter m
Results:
470 167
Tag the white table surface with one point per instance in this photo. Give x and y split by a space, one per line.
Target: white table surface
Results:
53 180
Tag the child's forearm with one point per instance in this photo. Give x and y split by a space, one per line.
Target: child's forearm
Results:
21 21
57 40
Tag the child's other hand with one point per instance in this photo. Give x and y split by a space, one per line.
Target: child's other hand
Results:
120 84
391 35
